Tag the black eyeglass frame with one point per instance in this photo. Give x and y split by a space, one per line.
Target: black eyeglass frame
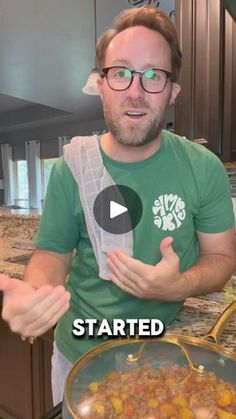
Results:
104 74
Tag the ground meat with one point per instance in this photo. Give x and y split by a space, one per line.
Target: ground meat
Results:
147 393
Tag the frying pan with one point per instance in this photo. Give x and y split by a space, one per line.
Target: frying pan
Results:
124 354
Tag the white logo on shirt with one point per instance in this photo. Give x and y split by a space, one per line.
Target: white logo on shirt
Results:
169 212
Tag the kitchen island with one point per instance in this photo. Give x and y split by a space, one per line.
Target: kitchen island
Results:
26 393
200 314
16 246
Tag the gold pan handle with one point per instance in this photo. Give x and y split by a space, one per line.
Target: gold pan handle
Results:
216 331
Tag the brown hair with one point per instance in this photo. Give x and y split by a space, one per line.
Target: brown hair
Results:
150 17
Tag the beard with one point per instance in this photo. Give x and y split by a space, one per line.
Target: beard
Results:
130 134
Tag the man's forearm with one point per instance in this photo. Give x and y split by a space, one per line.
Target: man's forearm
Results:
209 274
47 268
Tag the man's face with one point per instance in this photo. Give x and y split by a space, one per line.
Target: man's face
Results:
133 116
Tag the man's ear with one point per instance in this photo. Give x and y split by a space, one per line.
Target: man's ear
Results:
100 87
174 92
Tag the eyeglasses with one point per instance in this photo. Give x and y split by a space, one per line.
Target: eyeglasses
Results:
153 80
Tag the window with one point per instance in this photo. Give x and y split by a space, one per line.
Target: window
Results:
21 184
47 165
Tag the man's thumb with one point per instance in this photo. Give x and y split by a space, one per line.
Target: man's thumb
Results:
166 248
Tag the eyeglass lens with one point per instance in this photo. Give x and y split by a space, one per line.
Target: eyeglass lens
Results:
152 80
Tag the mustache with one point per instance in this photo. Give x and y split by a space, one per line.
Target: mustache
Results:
135 103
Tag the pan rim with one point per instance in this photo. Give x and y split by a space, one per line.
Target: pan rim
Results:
201 343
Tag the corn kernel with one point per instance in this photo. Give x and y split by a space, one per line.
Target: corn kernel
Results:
225 398
117 405
222 414
93 387
167 410
185 413
152 403
180 401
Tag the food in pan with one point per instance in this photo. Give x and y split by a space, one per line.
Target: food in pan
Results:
169 392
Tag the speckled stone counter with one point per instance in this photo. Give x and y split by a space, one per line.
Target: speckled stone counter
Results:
14 270
200 314
16 234
18 226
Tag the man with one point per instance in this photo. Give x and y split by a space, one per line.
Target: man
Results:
183 245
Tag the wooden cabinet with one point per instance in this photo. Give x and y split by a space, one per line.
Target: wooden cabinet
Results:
231 28
25 389
207 104
41 374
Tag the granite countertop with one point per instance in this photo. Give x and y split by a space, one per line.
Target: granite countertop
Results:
16 235
200 314
17 251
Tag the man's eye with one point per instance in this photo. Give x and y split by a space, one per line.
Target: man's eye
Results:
152 75
122 74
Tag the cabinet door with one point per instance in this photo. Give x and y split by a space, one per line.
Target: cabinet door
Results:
228 104
198 108
25 371
16 401
41 369
207 103
231 28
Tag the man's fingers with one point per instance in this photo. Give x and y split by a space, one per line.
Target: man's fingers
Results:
48 307
44 323
30 311
34 302
33 331
126 264
123 272
6 283
45 295
12 285
47 304
120 284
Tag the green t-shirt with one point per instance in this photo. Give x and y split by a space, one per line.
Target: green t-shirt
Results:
183 188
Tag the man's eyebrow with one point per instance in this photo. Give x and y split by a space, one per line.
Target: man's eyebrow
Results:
125 63
121 62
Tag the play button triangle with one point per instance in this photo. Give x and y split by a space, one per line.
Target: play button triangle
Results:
116 209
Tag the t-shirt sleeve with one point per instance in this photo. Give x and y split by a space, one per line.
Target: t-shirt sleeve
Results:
215 214
59 227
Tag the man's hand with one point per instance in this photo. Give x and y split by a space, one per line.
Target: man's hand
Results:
29 311
160 282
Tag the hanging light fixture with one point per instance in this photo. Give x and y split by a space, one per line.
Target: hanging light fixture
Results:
90 87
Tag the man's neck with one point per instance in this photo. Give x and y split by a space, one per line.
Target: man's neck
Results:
128 154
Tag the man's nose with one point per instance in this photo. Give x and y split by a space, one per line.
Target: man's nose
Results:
135 89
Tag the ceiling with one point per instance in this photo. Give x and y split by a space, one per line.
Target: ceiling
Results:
47 49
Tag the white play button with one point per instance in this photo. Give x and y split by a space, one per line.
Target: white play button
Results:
116 209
